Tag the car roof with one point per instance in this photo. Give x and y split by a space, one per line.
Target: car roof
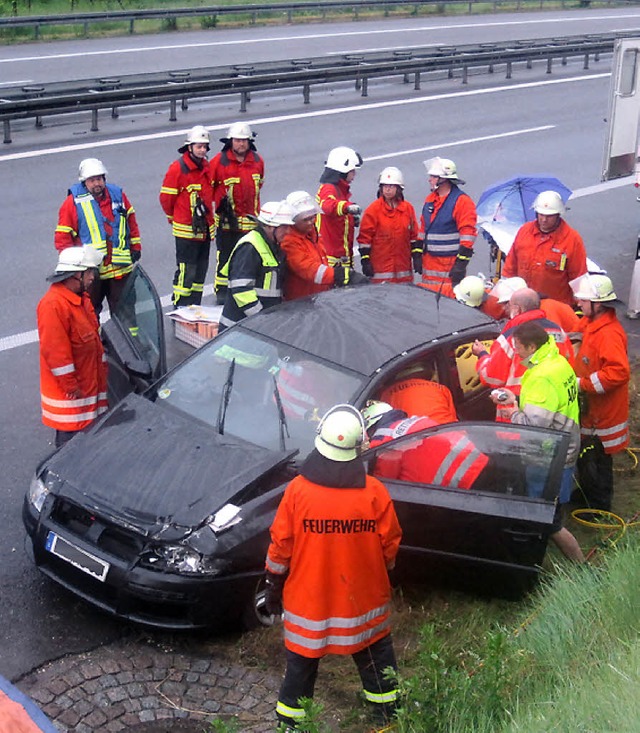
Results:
364 327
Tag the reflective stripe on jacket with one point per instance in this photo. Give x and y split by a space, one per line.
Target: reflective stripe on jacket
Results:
108 224
240 182
183 182
602 366
337 545
450 460
502 367
254 270
308 271
71 359
547 262
388 232
549 396
335 226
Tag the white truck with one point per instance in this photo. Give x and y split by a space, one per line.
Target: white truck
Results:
622 149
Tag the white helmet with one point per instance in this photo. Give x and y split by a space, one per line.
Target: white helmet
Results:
373 411
302 204
470 291
275 213
443 168
240 131
548 202
340 433
75 259
197 134
392 176
343 159
596 288
505 288
90 167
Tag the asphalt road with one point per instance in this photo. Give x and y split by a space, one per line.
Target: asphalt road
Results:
493 129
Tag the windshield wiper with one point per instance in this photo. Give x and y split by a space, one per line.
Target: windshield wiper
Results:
226 396
284 428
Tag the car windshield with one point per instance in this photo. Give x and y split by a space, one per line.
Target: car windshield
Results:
259 390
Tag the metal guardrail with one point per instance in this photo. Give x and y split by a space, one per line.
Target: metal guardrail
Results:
181 85
289 9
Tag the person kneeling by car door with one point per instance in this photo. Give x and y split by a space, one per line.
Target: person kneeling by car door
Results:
334 538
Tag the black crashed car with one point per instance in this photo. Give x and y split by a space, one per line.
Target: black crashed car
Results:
159 512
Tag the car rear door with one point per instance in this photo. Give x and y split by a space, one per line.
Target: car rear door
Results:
134 338
475 501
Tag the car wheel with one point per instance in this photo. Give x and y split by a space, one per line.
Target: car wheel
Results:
255 613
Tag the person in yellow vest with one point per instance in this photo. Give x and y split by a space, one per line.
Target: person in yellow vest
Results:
255 267
99 214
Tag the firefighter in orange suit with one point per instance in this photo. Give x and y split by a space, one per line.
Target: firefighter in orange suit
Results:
389 232
447 226
418 396
602 368
100 214
73 369
547 252
449 460
186 198
471 291
308 271
237 175
333 540
340 215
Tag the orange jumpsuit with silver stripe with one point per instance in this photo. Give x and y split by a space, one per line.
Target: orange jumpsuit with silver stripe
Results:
337 544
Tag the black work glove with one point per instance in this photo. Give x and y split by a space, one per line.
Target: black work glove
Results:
136 254
416 256
459 269
273 593
341 276
365 261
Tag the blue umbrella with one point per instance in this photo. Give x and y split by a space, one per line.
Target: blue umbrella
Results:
504 207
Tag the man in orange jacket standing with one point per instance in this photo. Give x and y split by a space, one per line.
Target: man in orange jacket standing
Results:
73 369
340 216
447 226
100 214
547 252
186 198
602 368
333 540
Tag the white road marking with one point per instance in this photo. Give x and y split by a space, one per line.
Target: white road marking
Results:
310 36
15 83
302 116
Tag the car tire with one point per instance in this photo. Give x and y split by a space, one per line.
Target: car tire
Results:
255 613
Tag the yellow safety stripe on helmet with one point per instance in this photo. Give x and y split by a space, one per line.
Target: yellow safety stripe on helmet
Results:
381 697
289 712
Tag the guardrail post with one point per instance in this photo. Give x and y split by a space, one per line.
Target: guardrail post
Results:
35 91
85 28
509 64
586 61
94 119
36 33
306 93
7 131
172 110
365 86
108 85
416 83
178 77
244 98
549 64
401 55
465 74
131 22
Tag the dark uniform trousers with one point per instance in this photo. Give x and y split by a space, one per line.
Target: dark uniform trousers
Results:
301 673
192 262
595 475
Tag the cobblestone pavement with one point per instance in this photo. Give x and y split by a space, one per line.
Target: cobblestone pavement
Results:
130 686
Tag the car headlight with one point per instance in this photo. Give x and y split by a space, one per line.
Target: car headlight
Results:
179 559
41 485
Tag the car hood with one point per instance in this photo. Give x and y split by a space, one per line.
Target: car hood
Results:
150 468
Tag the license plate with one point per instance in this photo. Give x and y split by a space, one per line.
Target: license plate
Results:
85 561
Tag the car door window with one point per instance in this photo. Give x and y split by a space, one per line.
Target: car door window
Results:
482 457
139 314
